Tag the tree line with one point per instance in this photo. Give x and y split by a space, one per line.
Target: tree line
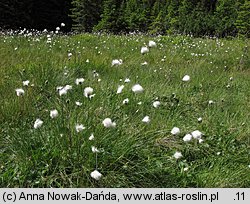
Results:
196 17
35 14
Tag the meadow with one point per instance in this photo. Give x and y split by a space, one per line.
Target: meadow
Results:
184 124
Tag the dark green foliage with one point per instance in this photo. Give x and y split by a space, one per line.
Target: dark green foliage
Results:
243 21
85 14
37 14
220 18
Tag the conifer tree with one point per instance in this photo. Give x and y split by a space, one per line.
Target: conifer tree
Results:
243 20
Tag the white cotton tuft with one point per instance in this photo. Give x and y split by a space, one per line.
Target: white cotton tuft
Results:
187 138
144 50
196 134
88 91
38 123
186 78
175 131
53 113
96 175
120 88
177 155
152 43
19 92
137 88
107 122
146 119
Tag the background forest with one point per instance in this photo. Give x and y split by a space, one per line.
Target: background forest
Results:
197 17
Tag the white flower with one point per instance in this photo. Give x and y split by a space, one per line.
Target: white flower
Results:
88 91
78 103
117 62
137 88
146 119
94 149
38 123
53 113
144 63
57 28
231 78
19 92
79 81
187 138
59 88
91 96
70 54
80 127
177 155
185 169
62 24
119 90
87 60
156 104
107 122
125 101
151 43
144 50
26 83
186 78
96 175
196 134
68 87
62 91
127 80
201 140
91 137
175 131
199 119
210 102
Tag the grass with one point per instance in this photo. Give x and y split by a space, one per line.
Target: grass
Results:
134 154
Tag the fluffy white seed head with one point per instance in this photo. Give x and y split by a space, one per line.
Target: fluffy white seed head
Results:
152 43
146 119
125 101
175 131
19 92
144 50
186 78
94 149
177 155
187 138
107 122
196 134
120 88
156 104
26 83
127 80
38 123
96 175
117 62
53 113
91 137
79 81
88 91
137 88
80 127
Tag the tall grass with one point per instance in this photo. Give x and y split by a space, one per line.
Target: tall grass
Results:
133 154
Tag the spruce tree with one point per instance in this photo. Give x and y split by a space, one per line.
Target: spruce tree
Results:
243 20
